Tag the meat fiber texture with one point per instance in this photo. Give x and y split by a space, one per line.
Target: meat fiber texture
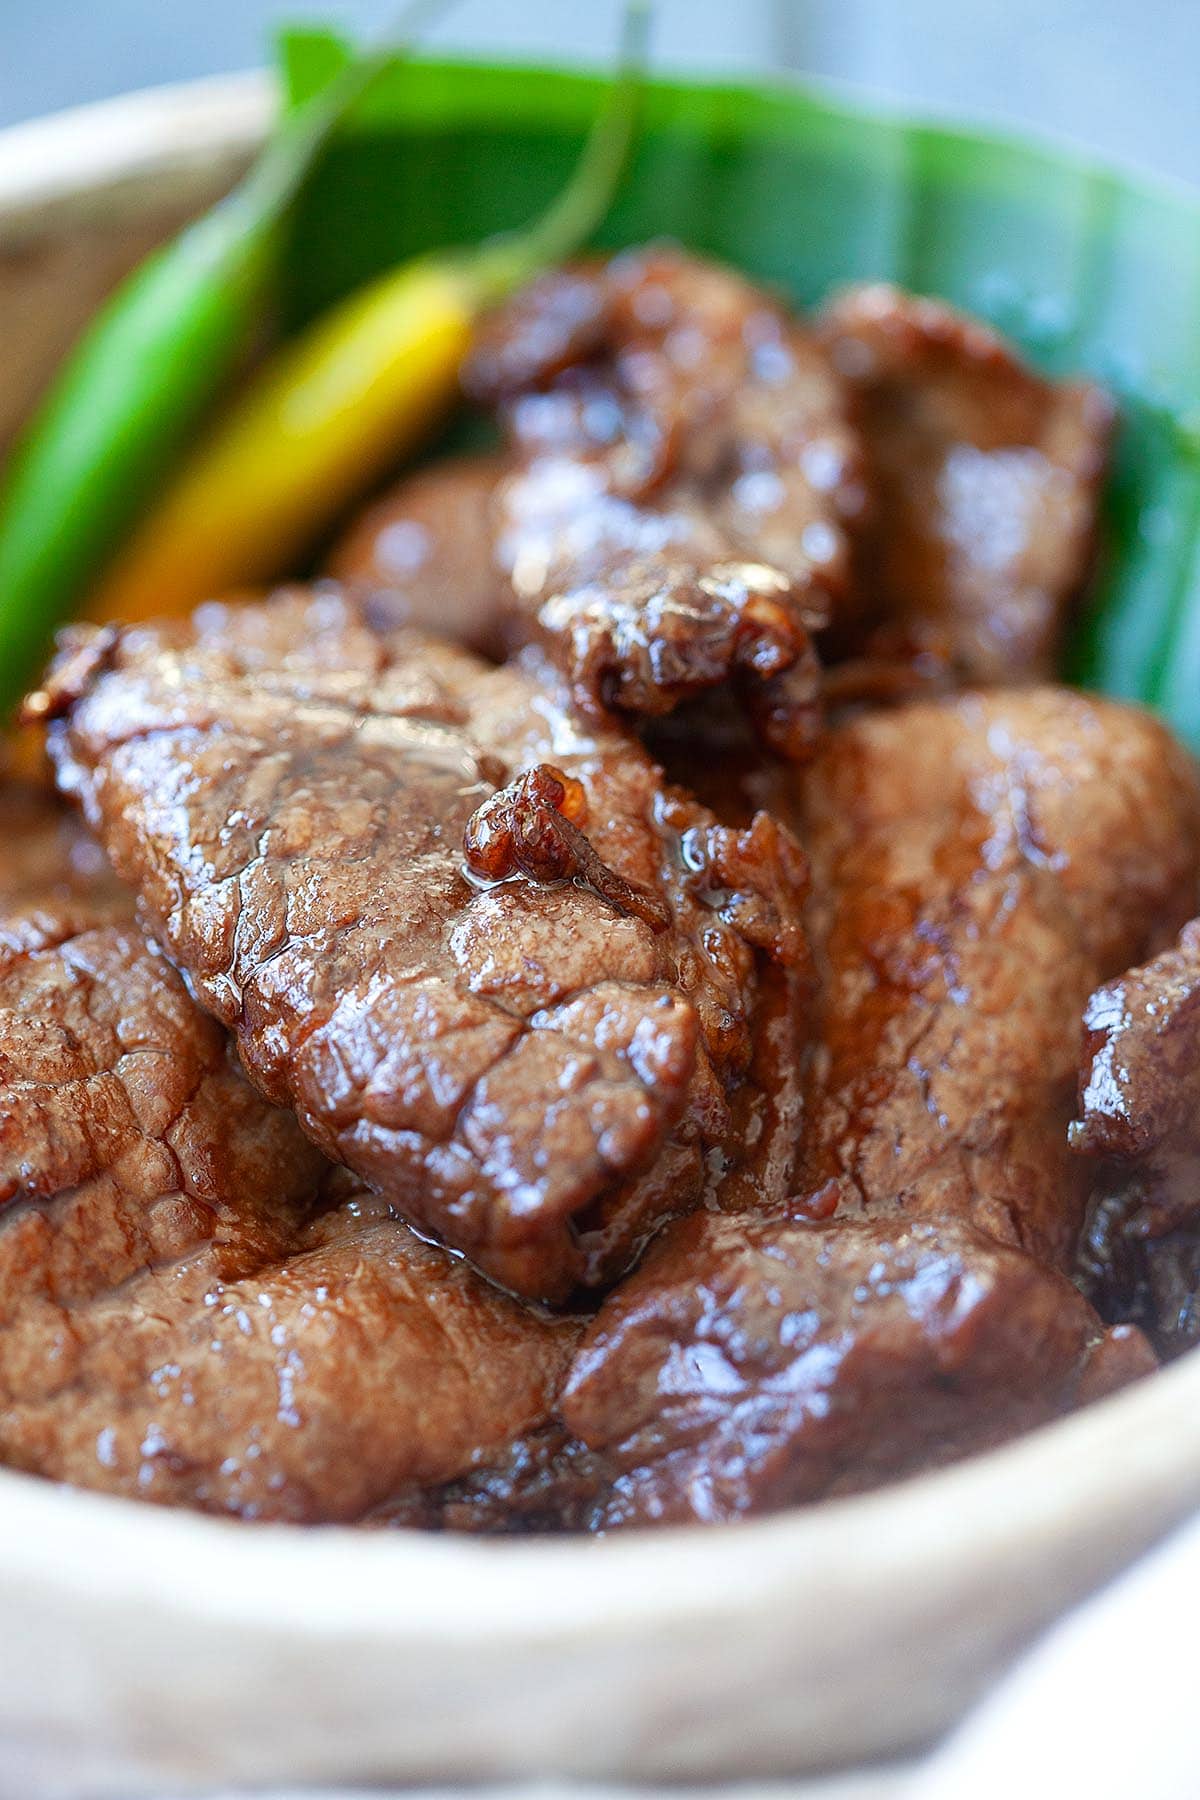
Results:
985 479
1138 1127
681 481
193 1311
692 482
532 1056
977 866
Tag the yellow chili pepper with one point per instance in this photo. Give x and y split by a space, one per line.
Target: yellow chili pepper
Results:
323 419
345 401
144 372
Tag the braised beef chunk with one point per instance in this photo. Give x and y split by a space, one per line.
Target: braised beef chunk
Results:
428 557
986 480
536 1069
422 1107
1139 1093
188 1312
683 475
1138 1127
116 1090
359 1361
755 1363
546 1481
977 865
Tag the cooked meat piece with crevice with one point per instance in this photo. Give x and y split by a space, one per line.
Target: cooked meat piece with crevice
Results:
535 1070
115 1090
754 1363
683 478
978 865
546 1481
356 1363
190 1309
1138 1127
985 476
426 554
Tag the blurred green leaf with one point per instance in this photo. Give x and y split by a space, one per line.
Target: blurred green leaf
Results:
309 58
1086 268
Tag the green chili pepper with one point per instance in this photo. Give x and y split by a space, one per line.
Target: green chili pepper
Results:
343 401
142 375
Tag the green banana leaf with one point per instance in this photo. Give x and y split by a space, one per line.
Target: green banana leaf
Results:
1087 268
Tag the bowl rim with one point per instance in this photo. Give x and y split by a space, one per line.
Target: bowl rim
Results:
183 134
1100 1462
976 1514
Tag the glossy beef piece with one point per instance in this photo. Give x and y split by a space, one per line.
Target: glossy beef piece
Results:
356 1362
188 1313
116 1089
1139 1094
545 1482
986 480
535 1069
427 554
1138 1127
683 476
977 865
755 1363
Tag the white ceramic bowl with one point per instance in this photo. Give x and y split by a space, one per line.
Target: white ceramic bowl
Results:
141 1650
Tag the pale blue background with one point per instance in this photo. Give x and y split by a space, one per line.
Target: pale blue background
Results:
1120 75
